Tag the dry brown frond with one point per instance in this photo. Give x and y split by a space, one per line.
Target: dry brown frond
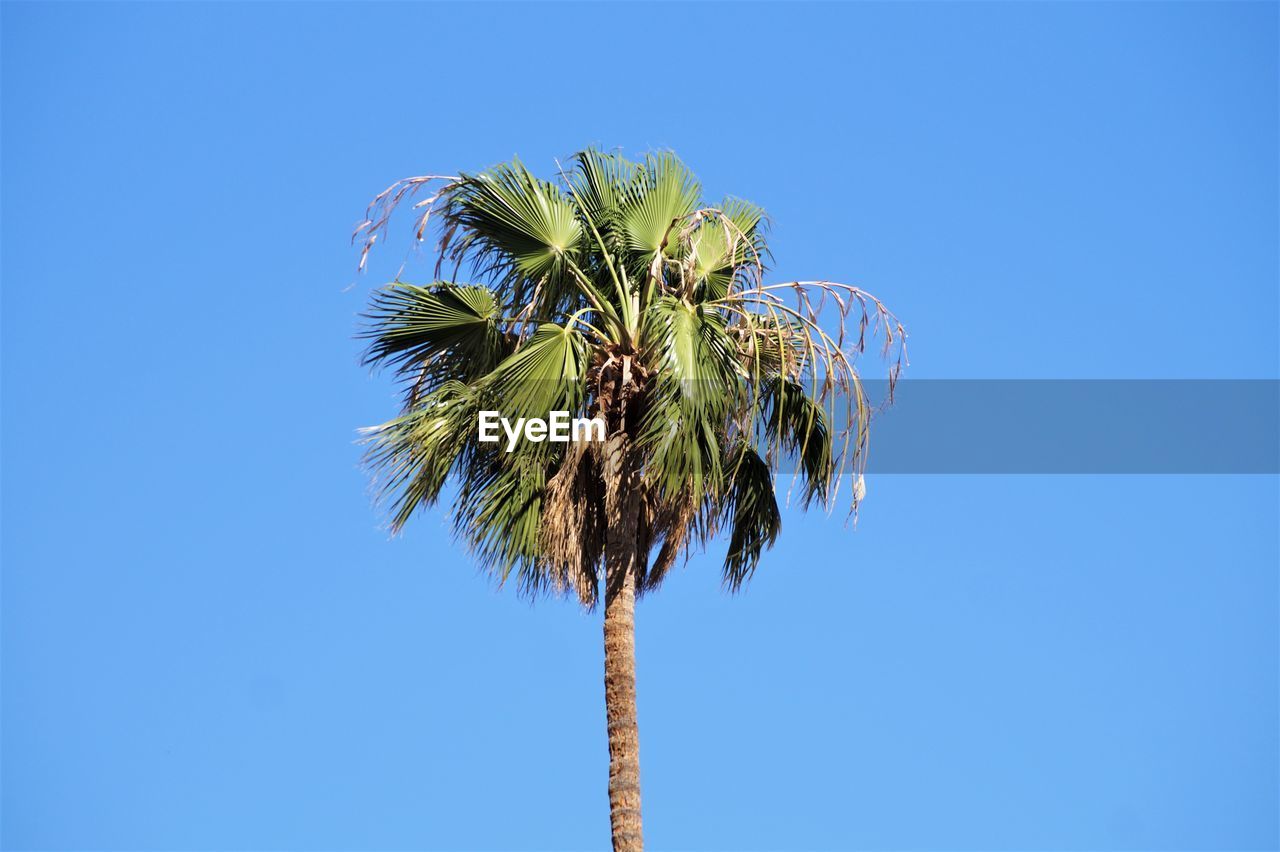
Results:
675 525
573 525
823 360
378 214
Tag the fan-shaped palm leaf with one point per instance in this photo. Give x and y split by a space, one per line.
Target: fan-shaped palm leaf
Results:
450 328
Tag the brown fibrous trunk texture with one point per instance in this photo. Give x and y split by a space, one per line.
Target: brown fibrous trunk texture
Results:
622 504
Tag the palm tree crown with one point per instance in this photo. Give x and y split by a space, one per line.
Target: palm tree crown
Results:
618 292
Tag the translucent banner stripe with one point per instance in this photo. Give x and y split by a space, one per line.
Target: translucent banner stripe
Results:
1078 426
1066 426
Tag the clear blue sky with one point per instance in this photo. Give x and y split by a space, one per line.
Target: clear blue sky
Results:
209 642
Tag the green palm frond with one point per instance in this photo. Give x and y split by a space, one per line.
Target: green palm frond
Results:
498 512
663 192
546 374
682 454
694 357
697 383
713 248
524 233
449 328
412 455
751 510
601 181
512 218
747 225
799 424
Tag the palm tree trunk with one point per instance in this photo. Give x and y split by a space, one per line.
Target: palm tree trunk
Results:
622 503
620 707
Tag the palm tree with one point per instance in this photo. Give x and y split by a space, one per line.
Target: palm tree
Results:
613 291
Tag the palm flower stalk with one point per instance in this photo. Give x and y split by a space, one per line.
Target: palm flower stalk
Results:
613 291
